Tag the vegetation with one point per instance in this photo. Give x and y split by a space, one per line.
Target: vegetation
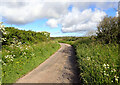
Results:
10 35
108 30
98 63
97 56
22 51
19 59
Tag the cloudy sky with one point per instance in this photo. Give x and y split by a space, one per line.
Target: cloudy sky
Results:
59 17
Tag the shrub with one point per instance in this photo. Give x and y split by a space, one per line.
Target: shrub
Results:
12 34
108 30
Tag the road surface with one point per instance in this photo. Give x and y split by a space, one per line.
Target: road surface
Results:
58 68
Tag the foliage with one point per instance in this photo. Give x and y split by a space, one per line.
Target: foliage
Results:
70 40
11 35
22 51
97 56
108 30
18 59
98 63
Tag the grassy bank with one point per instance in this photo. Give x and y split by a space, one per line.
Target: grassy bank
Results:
98 63
22 51
19 59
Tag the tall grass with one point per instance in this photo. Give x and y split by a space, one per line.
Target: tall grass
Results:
98 63
22 51
19 59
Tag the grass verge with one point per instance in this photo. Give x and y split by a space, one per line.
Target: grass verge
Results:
98 63
19 59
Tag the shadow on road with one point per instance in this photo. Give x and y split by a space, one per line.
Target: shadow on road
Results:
72 61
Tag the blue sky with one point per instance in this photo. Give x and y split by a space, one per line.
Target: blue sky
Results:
63 23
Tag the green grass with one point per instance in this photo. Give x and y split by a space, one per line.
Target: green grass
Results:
68 42
98 63
19 59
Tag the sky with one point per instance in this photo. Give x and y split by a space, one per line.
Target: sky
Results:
58 17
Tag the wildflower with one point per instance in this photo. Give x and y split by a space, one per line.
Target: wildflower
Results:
88 58
9 58
105 74
20 47
116 78
107 65
24 53
113 70
3 39
5 33
19 43
104 65
4 63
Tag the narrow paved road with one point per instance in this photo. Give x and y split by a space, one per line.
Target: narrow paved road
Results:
59 68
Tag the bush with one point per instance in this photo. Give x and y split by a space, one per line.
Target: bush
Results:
108 30
12 34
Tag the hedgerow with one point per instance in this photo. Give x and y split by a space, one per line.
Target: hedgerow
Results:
11 34
22 51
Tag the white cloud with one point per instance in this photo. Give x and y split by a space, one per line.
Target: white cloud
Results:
61 0
52 23
24 12
77 21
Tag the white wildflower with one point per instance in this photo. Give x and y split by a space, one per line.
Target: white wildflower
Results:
113 70
24 53
107 65
104 65
116 78
88 58
105 74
